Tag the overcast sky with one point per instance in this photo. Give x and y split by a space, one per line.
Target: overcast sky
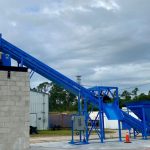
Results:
105 41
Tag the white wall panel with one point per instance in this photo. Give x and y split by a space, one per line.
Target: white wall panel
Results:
39 106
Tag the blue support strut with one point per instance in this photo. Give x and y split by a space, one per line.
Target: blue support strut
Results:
101 119
119 130
86 120
79 112
144 125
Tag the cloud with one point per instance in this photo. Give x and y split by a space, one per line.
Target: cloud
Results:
105 41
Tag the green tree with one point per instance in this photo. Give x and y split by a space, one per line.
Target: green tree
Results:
72 102
126 95
44 87
143 96
134 92
57 98
61 100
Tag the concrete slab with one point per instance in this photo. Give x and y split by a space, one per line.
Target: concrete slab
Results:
94 145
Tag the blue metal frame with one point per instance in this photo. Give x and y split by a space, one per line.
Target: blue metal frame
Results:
100 92
145 127
93 96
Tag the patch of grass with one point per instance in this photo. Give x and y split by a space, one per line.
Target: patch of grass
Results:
107 131
64 132
52 133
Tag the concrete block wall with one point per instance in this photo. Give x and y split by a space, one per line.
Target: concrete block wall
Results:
14 110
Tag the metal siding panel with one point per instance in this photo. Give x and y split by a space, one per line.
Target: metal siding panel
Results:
36 106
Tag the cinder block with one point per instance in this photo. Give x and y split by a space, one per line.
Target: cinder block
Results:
20 83
3 83
4 119
4 130
11 93
3 93
14 111
11 83
14 88
6 103
4 97
4 114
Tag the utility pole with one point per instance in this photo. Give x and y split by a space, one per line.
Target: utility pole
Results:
79 95
79 102
79 79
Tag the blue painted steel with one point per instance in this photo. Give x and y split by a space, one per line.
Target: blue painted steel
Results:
112 110
86 121
103 125
72 135
6 60
125 126
119 130
101 118
142 110
136 108
144 124
47 72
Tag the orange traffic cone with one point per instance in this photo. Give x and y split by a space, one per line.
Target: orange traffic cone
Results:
127 139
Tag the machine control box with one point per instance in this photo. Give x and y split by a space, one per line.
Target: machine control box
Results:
78 123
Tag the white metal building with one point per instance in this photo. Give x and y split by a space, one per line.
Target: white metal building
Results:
39 110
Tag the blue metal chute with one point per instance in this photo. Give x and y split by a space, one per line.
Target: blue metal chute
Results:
112 112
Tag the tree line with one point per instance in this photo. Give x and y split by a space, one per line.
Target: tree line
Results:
59 99
62 100
133 96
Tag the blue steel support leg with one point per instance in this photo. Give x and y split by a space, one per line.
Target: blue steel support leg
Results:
144 124
103 125
119 130
86 121
101 119
79 111
72 139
